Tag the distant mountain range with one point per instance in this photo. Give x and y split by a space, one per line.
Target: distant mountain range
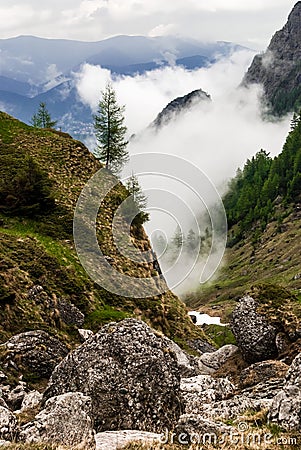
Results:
35 69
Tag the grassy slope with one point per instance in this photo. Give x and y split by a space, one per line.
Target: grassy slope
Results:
41 251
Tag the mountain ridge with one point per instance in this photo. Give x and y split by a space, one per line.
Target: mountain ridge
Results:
278 69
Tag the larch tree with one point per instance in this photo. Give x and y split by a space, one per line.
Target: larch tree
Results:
42 119
110 131
138 202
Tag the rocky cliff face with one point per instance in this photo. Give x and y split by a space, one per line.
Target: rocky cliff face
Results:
279 68
178 106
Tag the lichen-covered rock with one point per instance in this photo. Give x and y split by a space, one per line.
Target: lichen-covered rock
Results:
113 440
34 351
203 389
254 335
286 406
8 424
188 364
69 313
193 428
15 396
261 372
65 420
84 334
31 400
216 359
130 374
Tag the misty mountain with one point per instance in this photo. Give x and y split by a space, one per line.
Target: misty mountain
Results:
37 60
278 69
178 106
35 70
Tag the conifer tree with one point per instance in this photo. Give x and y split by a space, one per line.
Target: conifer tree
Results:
42 119
110 131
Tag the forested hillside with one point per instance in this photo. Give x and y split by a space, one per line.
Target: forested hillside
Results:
263 185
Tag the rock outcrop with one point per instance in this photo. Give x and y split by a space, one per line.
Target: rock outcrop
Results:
215 360
178 106
286 406
261 372
278 69
130 374
35 351
65 420
255 337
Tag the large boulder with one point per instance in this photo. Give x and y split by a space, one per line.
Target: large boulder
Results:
34 351
8 424
286 406
65 420
262 372
130 374
254 335
217 359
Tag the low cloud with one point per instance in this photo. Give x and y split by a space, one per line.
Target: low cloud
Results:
217 137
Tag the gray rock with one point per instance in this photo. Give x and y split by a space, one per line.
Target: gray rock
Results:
264 391
217 359
262 372
232 408
113 440
204 389
84 334
188 364
65 420
130 374
286 406
31 400
34 351
8 424
254 335
70 314
15 397
194 429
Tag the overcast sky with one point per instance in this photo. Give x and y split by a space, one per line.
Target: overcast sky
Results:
247 22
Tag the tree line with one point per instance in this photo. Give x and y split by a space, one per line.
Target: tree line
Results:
265 182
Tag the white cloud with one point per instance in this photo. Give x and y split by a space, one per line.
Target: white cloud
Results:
248 22
218 137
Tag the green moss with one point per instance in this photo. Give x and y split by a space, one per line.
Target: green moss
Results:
220 335
99 317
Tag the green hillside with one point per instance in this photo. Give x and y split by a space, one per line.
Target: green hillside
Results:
42 173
